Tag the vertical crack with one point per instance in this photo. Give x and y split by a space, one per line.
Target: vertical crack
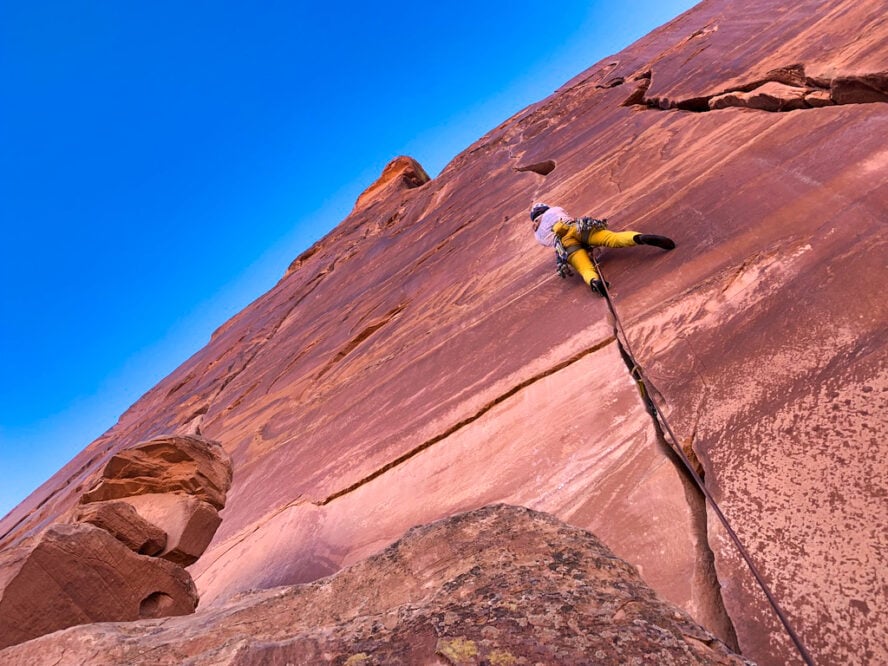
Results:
707 588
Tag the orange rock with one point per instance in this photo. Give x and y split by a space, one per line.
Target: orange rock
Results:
188 522
818 98
185 464
402 173
771 96
864 88
123 522
547 593
423 360
78 573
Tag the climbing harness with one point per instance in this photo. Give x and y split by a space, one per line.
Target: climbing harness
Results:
647 390
585 226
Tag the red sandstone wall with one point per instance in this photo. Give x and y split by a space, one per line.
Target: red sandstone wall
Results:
423 359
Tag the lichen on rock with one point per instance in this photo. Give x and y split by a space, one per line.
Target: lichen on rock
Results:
499 585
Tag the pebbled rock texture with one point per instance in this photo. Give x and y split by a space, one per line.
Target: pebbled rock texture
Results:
498 585
423 359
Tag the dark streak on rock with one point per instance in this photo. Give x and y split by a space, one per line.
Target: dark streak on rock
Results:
543 168
466 421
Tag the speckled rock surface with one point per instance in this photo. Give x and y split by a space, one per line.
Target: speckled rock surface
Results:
498 585
423 359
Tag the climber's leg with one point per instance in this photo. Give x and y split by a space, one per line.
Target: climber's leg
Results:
579 259
607 238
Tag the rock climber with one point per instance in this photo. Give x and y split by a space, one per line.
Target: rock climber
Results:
573 238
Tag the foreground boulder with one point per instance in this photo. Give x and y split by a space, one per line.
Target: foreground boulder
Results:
188 523
75 574
120 554
170 489
498 585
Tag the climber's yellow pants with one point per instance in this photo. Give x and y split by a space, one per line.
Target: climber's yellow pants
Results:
580 260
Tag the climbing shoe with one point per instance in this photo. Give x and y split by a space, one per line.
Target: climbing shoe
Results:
657 241
598 286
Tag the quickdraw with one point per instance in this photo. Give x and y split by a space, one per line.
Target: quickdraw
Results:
562 266
586 226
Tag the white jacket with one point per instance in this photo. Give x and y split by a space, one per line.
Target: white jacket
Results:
544 234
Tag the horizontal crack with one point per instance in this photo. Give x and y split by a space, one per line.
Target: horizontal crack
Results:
466 421
783 89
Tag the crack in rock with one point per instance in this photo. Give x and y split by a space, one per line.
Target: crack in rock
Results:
464 422
783 89
706 575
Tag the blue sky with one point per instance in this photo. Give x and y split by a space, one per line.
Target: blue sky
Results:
162 163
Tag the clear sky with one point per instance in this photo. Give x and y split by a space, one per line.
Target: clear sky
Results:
161 163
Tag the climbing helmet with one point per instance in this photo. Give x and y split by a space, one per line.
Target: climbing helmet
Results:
536 210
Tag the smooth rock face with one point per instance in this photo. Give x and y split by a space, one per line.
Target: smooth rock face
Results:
423 359
77 574
499 585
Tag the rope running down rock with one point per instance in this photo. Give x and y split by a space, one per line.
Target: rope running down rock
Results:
648 389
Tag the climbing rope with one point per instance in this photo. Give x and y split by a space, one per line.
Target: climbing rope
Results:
647 390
